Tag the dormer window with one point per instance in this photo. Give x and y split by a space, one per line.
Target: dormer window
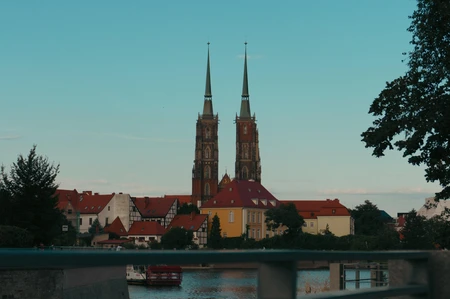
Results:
214 202
255 201
264 201
273 202
231 189
232 201
333 211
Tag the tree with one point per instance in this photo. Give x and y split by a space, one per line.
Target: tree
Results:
285 215
215 238
177 237
413 111
186 209
416 234
15 237
96 227
367 219
29 191
327 231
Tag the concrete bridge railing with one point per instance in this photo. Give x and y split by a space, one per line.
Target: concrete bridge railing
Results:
101 274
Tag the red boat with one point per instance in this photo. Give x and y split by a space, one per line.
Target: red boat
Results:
164 275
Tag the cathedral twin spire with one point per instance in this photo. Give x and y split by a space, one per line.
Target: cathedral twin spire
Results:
245 102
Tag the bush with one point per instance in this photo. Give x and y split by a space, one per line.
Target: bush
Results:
15 237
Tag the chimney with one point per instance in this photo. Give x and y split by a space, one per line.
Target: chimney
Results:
120 193
96 193
192 215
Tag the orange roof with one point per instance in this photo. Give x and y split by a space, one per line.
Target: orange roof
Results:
153 207
67 195
248 194
190 222
93 204
151 228
310 209
116 227
181 198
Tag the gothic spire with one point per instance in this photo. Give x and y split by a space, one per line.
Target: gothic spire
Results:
207 106
245 102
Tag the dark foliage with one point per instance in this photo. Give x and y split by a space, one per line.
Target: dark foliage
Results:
285 215
28 193
367 219
178 238
413 111
215 237
96 228
15 237
186 209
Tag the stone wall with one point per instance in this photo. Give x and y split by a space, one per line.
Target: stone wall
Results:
77 283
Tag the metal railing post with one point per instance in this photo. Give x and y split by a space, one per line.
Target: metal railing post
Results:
277 280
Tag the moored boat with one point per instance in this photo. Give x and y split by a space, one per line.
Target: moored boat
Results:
136 274
160 275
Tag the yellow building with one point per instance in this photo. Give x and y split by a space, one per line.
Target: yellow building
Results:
320 213
240 207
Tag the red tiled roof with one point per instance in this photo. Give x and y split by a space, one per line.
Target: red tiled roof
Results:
225 180
93 204
310 209
121 241
116 227
68 195
181 198
153 207
151 228
241 194
189 222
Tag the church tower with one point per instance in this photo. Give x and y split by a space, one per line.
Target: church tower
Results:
206 162
248 162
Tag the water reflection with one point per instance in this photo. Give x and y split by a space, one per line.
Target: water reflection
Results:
229 284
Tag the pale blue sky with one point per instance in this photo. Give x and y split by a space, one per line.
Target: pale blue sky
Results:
111 90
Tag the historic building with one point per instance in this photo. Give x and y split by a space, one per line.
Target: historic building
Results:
248 162
206 162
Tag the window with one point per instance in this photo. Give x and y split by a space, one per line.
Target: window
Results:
207 153
245 129
333 211
209 213
224 235
248 217
245 150
253 217
81 221
141 239
244 173
305 224
311 224
207 173
253 233
90 221
258 234
69 211
109 208
207 189
231 217
106 221
208 133
259 217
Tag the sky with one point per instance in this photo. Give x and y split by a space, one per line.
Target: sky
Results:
111 91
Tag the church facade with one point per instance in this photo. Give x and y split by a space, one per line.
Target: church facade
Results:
205 172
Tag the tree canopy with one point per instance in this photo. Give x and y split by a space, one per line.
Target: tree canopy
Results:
177 237
367 219
413 111
96 227
28 193
186 209
285 215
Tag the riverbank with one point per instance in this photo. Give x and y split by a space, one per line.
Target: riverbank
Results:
302 265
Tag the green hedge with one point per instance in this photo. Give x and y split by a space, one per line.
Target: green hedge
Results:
15 237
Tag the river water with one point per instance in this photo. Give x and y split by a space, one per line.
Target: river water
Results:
232 284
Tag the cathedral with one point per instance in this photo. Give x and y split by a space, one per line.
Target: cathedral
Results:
205 172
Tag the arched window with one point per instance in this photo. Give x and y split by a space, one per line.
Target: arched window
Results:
207 153
208 133
207 189
245 129
207 173
231 217
245 150
245 173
